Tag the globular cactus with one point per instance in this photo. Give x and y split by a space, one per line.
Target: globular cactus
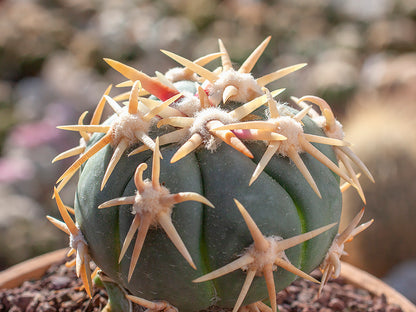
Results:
208 191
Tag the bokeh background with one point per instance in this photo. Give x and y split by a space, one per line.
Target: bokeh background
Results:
361 58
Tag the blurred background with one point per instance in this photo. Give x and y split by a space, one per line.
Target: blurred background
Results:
361 58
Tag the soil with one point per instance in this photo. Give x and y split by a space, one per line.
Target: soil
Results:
60 290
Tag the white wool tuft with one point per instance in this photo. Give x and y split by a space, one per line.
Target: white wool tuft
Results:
187 104
291 129
208 114
125 125
337 133
247 86
201 119
74 240
149 200
179 73
261 258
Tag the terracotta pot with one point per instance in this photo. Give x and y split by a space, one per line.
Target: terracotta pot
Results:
36 267
30 269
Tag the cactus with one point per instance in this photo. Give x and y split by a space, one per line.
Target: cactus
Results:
242 194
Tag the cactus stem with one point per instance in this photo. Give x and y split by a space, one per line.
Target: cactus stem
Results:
254 56
269 78
203 72
261 257
331 265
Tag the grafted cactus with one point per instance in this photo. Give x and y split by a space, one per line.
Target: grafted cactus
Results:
208 191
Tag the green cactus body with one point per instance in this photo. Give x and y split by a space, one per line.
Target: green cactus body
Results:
279 166
280 201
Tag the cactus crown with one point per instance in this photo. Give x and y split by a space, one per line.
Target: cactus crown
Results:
199 110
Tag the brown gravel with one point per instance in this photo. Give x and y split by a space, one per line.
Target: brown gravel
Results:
59 290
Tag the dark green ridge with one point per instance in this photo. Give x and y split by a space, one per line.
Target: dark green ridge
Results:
226 174
161 272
